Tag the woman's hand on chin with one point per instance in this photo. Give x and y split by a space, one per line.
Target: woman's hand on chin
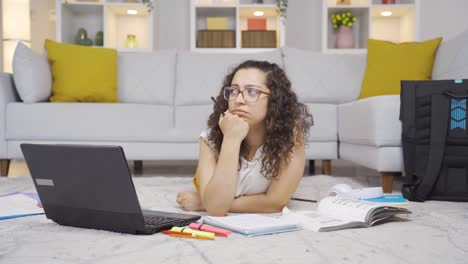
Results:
233 126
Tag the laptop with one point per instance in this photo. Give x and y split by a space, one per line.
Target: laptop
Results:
90 186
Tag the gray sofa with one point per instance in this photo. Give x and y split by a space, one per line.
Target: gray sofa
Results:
165 102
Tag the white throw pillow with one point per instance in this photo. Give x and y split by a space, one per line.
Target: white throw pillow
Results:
31 73
451 61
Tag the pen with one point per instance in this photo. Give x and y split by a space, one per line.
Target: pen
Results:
304 200
217 106
186 235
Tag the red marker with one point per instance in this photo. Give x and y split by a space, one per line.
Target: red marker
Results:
216 230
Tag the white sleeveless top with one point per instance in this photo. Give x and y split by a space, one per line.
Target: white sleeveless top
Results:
250 180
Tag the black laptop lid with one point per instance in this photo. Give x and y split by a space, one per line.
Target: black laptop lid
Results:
85 186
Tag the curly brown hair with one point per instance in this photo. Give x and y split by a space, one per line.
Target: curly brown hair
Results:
286 118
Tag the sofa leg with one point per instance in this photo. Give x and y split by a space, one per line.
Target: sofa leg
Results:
138 166
5 167
326 167
387 181
311 167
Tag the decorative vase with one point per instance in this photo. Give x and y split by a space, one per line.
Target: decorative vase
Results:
99 38
343 2
81 38
344 38
80 35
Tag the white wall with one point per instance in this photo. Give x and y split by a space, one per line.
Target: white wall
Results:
42 27
444 18
172 24
304 24
1 34
16 26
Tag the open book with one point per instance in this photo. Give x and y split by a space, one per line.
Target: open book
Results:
252 224
334 213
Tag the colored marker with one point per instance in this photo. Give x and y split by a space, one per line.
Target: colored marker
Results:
184 234
196 232
216 230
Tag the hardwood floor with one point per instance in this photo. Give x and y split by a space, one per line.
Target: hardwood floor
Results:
18 168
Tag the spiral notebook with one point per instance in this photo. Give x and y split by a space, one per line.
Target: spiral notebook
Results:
252 224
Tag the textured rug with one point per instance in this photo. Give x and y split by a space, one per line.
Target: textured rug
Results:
436 232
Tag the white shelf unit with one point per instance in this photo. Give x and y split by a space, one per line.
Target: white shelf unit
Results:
108 16
237 13
401 26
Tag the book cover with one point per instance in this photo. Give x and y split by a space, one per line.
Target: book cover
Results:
252 224
393 198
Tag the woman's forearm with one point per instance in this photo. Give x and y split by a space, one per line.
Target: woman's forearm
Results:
258 203
221 189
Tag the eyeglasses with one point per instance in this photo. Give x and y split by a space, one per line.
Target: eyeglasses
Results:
250 95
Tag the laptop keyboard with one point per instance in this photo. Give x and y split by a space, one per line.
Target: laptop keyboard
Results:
157 220
154 224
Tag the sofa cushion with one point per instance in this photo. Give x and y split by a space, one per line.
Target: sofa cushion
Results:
32 76
371 121
147 77
89 121
82 74
452 58
325 126
389 63
192 120
324 78
382 159
201 75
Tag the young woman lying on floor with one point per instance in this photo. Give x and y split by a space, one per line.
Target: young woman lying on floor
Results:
252 157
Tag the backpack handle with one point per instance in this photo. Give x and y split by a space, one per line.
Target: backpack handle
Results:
451 94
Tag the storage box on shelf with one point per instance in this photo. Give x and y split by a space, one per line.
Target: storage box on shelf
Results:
117 19
216 27
269 37
233 16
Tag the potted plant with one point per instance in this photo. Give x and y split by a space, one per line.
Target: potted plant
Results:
282 7
343 23
149 5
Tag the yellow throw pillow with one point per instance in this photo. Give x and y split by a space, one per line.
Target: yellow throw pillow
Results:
388 63
82 74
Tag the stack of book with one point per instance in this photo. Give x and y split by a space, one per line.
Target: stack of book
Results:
217 34
257 35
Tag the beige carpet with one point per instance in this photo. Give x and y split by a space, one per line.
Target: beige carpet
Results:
437 232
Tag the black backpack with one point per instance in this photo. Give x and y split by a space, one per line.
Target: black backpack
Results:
435 140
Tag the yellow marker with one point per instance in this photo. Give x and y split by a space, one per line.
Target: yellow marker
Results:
196 232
